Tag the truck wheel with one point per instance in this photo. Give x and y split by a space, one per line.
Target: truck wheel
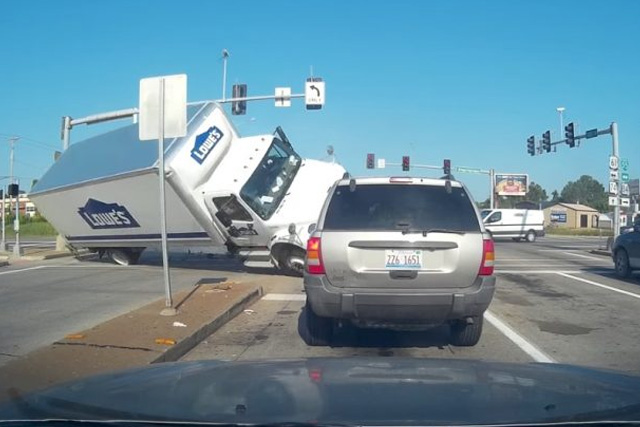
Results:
531 236
315 330
293 262
124 256
465 334
622 264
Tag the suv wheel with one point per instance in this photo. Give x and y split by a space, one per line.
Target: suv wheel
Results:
315 330
622 264
531 236
465 334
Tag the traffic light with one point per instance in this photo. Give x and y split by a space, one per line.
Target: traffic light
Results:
447 167
13 190
405 163
570 135
531 145
239 108
371 158
546 141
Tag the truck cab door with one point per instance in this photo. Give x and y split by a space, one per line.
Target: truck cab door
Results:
242 226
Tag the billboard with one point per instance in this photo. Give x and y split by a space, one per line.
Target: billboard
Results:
634 187
511 184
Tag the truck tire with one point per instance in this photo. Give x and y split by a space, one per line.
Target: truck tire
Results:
125 256
465 334
531 236
315 330
292 262
623 269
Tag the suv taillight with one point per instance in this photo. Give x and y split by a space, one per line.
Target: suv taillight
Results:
314 256
488 258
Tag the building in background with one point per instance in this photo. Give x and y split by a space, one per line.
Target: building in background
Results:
571 215
26 206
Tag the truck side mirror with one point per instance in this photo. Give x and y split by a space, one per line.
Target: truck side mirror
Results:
224 218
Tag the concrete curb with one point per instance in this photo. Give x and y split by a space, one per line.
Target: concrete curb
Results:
174 353
600 252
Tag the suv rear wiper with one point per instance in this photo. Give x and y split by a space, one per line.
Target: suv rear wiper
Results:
433 230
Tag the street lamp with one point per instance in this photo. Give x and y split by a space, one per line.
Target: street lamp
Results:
560 110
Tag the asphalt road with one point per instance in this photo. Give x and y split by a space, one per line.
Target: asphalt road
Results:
555 303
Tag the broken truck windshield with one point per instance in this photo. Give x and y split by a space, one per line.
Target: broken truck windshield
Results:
268 184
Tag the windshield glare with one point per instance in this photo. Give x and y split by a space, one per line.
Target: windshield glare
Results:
268 184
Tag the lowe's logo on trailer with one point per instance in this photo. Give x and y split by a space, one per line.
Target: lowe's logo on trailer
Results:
205 143
100 215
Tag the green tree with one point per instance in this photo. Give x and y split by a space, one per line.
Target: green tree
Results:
536 193
555 196
587 191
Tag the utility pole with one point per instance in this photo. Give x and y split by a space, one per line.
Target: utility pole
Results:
16 224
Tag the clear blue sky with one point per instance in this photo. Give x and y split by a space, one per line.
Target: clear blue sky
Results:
468 81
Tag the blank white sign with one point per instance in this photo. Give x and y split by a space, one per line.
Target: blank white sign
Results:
174 103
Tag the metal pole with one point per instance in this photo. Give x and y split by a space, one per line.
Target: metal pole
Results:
169 310
225 55
492 174
66 130
616 209
16 227
3 243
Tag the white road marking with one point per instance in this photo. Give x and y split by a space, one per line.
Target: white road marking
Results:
600 285
536 271
588 256
23 269
569 248
534 352
285 297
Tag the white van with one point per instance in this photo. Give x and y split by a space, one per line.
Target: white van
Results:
515 223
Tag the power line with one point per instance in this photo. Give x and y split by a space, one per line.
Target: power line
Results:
42 143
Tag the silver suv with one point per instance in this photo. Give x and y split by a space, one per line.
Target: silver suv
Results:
398 253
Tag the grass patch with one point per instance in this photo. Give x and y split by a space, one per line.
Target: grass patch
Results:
39 228
578 232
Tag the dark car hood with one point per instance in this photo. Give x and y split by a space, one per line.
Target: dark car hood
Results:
345 391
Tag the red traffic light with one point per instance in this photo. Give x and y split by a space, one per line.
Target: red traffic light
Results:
406 164
371 158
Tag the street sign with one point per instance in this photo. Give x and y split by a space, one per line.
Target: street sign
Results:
283 97
314 93
613 201
624 165
613 175
613 162
382 163
471 170
591 133
625 202
624 189
624 176
169 94
613 187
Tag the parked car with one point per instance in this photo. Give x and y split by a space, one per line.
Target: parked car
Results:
398 252
519 224
626 251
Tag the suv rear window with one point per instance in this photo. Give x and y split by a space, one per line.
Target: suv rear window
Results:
394 207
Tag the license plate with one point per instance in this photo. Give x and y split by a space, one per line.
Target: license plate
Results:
403 260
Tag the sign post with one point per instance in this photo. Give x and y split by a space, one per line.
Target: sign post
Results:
163 113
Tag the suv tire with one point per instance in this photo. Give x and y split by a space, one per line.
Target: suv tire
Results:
464 334
531 236
622 264
315 330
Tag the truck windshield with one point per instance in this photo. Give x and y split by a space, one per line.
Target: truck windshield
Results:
268 184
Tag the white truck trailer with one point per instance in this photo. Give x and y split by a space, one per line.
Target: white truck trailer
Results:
254 194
